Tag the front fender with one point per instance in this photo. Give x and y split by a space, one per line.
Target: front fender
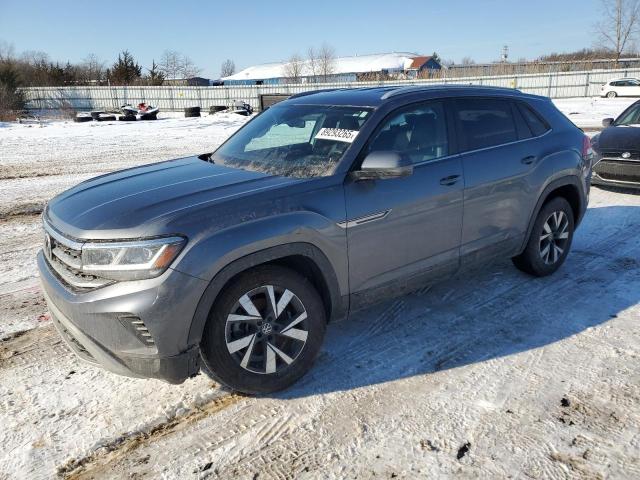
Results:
219 257
205 257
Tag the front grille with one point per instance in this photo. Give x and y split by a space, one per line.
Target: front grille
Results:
617 153
65 259
618 170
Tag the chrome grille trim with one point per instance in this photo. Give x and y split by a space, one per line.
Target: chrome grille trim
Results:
64 256
61 239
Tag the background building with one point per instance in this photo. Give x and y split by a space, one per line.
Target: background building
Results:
187 82
382 66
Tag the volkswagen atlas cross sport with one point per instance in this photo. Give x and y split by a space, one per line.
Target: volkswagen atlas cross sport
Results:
234 261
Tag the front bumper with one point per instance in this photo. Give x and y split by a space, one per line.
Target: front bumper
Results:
617 173
137 329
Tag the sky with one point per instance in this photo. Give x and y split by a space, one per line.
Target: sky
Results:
254 32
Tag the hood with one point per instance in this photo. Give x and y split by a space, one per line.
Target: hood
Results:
138 202
619 139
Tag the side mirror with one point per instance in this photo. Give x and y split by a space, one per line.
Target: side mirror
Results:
607 122
384 165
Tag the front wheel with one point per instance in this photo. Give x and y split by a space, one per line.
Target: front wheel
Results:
264 332
550 239
612 95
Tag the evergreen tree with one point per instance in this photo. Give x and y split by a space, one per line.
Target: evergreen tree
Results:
125 71
155 76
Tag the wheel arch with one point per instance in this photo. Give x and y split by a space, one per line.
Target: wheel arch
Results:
566 187
304 258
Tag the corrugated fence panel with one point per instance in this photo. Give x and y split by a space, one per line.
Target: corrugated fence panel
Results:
176 98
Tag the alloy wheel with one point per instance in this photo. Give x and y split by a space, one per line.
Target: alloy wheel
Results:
266 329
554 237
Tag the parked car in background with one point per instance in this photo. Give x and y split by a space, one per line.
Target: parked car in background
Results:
621 87
235 261
617 150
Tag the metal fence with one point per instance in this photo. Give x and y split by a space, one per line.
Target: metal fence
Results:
176 98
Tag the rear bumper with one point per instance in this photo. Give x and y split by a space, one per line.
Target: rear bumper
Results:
137 329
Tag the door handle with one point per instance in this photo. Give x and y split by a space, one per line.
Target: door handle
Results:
528 160
450 180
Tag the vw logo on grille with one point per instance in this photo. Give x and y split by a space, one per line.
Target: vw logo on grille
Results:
626 155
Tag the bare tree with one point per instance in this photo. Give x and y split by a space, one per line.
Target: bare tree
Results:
7 51
188 69
466 61
228 68
92 69
174 65
170 64
326 61
619 25
293 69
313 61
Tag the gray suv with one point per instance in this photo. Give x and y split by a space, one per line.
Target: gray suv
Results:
234 262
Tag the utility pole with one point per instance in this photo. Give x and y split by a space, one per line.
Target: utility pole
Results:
505 53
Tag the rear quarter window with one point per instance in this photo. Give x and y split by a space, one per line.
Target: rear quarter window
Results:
537 124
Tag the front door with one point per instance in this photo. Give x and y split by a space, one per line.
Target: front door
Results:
403 229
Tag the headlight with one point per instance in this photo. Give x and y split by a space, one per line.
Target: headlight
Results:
135 260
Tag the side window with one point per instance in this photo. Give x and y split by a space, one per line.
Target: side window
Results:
536 123
485 122
420 132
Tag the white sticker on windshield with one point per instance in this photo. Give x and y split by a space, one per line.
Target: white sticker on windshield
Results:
337 134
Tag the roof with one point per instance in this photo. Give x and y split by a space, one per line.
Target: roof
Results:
357 64
376 96
418 62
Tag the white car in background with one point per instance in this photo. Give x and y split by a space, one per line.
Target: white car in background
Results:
621 87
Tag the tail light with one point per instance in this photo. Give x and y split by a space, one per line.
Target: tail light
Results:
587 151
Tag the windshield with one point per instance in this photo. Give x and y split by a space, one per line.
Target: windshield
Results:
294 140
630 117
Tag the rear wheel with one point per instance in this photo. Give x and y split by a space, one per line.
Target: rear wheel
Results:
612 95
550 239
264 332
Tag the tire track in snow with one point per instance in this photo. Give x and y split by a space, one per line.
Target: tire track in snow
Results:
90 465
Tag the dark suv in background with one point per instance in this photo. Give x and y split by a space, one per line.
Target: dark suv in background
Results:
235 261
617 150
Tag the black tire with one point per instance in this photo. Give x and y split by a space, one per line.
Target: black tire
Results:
216 108
192 112
82 119
612 95
106 118
127 118
220 332
536 259
96 114
149 116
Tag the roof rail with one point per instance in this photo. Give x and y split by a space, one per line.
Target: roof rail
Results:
312 92
419 88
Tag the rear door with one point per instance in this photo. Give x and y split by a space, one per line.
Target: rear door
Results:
409 227
498 154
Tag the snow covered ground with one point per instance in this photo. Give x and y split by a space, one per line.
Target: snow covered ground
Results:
588 113
492 375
